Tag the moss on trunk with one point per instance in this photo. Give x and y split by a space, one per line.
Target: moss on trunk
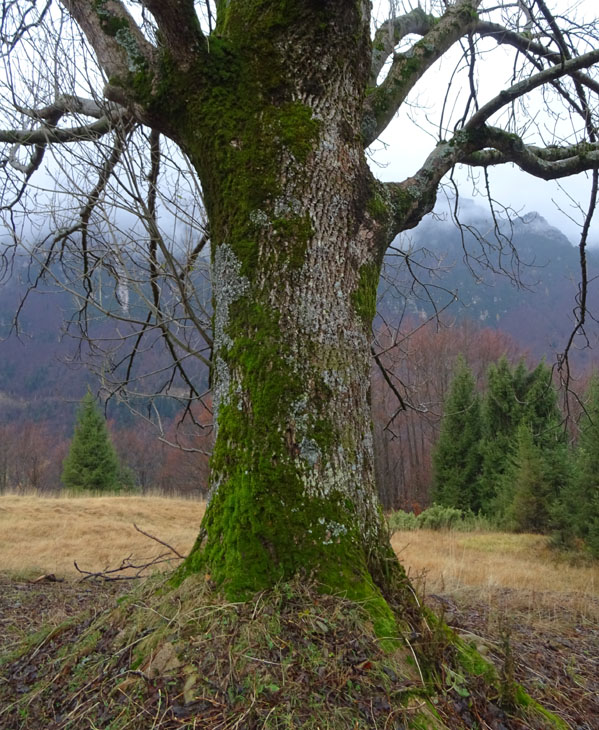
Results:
296 220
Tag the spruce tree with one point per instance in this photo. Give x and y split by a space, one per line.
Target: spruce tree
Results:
583 499
501 413
456 459
541 411
528 490
523 445
91 463
545 421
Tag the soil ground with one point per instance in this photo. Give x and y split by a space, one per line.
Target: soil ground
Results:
555 657
532 612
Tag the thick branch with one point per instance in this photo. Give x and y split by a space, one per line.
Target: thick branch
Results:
527 85
49 134
66 104
413 198
179 27
520 41
547 163
407 68
392 32
112 32
530 48
53 135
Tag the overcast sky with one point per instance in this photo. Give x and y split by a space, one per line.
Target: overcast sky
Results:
411 136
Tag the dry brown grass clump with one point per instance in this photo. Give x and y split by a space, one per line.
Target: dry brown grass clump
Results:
292 656
45 535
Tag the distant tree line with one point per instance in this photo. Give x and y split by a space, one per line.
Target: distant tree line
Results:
477 430
419 361
103 457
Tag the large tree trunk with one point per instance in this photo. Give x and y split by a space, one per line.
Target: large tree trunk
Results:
298 229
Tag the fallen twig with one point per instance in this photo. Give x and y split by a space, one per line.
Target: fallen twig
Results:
152 537
113 574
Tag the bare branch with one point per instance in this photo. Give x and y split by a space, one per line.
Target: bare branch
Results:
114 35
179 27
45 135
520 41
10 40
407 68
161 542
387 379
391 32
547 163
69 104
580 311
529 84
124 570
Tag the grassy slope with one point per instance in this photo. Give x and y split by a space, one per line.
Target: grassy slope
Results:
538 577
44 535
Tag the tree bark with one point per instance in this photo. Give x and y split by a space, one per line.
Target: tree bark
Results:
298 227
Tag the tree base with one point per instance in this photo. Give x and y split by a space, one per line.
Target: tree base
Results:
292 657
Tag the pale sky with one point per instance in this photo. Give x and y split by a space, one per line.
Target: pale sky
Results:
404 145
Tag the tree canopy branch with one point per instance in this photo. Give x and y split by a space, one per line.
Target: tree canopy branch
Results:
486 146
54 135
547 163
407 68
66 104
507 96
392 31
519 41
179 27
114 35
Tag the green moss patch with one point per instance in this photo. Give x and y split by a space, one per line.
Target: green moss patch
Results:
364 296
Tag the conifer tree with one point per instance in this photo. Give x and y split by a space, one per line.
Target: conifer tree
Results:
545 421
541 410
501 413
456 459
523 446
527 486
583 501
92 463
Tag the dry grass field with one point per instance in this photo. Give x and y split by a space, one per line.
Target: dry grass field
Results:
40 535
514 596
519 566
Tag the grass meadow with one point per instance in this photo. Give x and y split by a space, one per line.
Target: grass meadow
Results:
509 595
520 572
40 535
